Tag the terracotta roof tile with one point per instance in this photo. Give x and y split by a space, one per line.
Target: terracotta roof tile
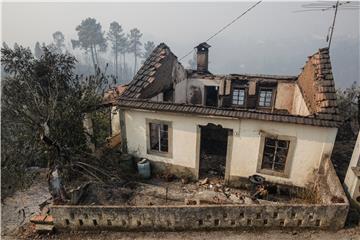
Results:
223 112
148 69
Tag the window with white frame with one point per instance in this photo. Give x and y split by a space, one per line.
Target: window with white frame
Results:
265 97
159 137
238 96
276 154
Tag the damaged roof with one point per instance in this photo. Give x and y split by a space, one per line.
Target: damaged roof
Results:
324 99
236 76
317 89
146 74
144 104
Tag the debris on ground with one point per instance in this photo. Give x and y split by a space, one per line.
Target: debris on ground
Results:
204 181
43 223
159 191
16 210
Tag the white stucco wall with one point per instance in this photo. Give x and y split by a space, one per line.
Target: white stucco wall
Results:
311 145
115 121
299 106
284 96
180 92
352 182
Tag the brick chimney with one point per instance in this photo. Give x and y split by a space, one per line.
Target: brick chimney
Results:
202 51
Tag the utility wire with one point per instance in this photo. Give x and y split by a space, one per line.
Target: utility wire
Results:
226 26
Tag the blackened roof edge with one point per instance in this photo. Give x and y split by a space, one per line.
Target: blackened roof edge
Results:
223 112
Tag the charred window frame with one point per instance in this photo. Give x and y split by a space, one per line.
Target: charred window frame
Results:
168 95
266 97
276 154
159 137
239 96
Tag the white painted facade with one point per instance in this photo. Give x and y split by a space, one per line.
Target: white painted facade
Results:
352 178
299 106
313 144
115 121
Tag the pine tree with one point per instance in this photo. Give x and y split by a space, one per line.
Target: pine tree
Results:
90 37
148 47
134 45
124 49
115 36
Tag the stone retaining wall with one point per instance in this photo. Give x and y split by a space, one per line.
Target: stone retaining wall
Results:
198 217
330 215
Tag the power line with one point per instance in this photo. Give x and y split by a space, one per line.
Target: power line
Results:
223 28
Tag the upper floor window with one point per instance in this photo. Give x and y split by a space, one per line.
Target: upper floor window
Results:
159 137
265 98
238 97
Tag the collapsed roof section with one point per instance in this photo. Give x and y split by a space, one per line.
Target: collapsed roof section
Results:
156 75
318 87
161 71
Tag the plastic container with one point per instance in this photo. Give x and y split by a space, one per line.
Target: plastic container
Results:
144 168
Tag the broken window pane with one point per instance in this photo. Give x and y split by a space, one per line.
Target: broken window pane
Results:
238 97
154 136
275 154
159 137
265 99
164 138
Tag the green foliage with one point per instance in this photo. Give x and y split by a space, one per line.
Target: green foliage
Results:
101 125
43 103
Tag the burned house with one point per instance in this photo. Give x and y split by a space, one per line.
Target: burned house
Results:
233 126
229 127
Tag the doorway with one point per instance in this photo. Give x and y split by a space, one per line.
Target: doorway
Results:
213 151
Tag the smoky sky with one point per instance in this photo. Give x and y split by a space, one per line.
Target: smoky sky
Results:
270 39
